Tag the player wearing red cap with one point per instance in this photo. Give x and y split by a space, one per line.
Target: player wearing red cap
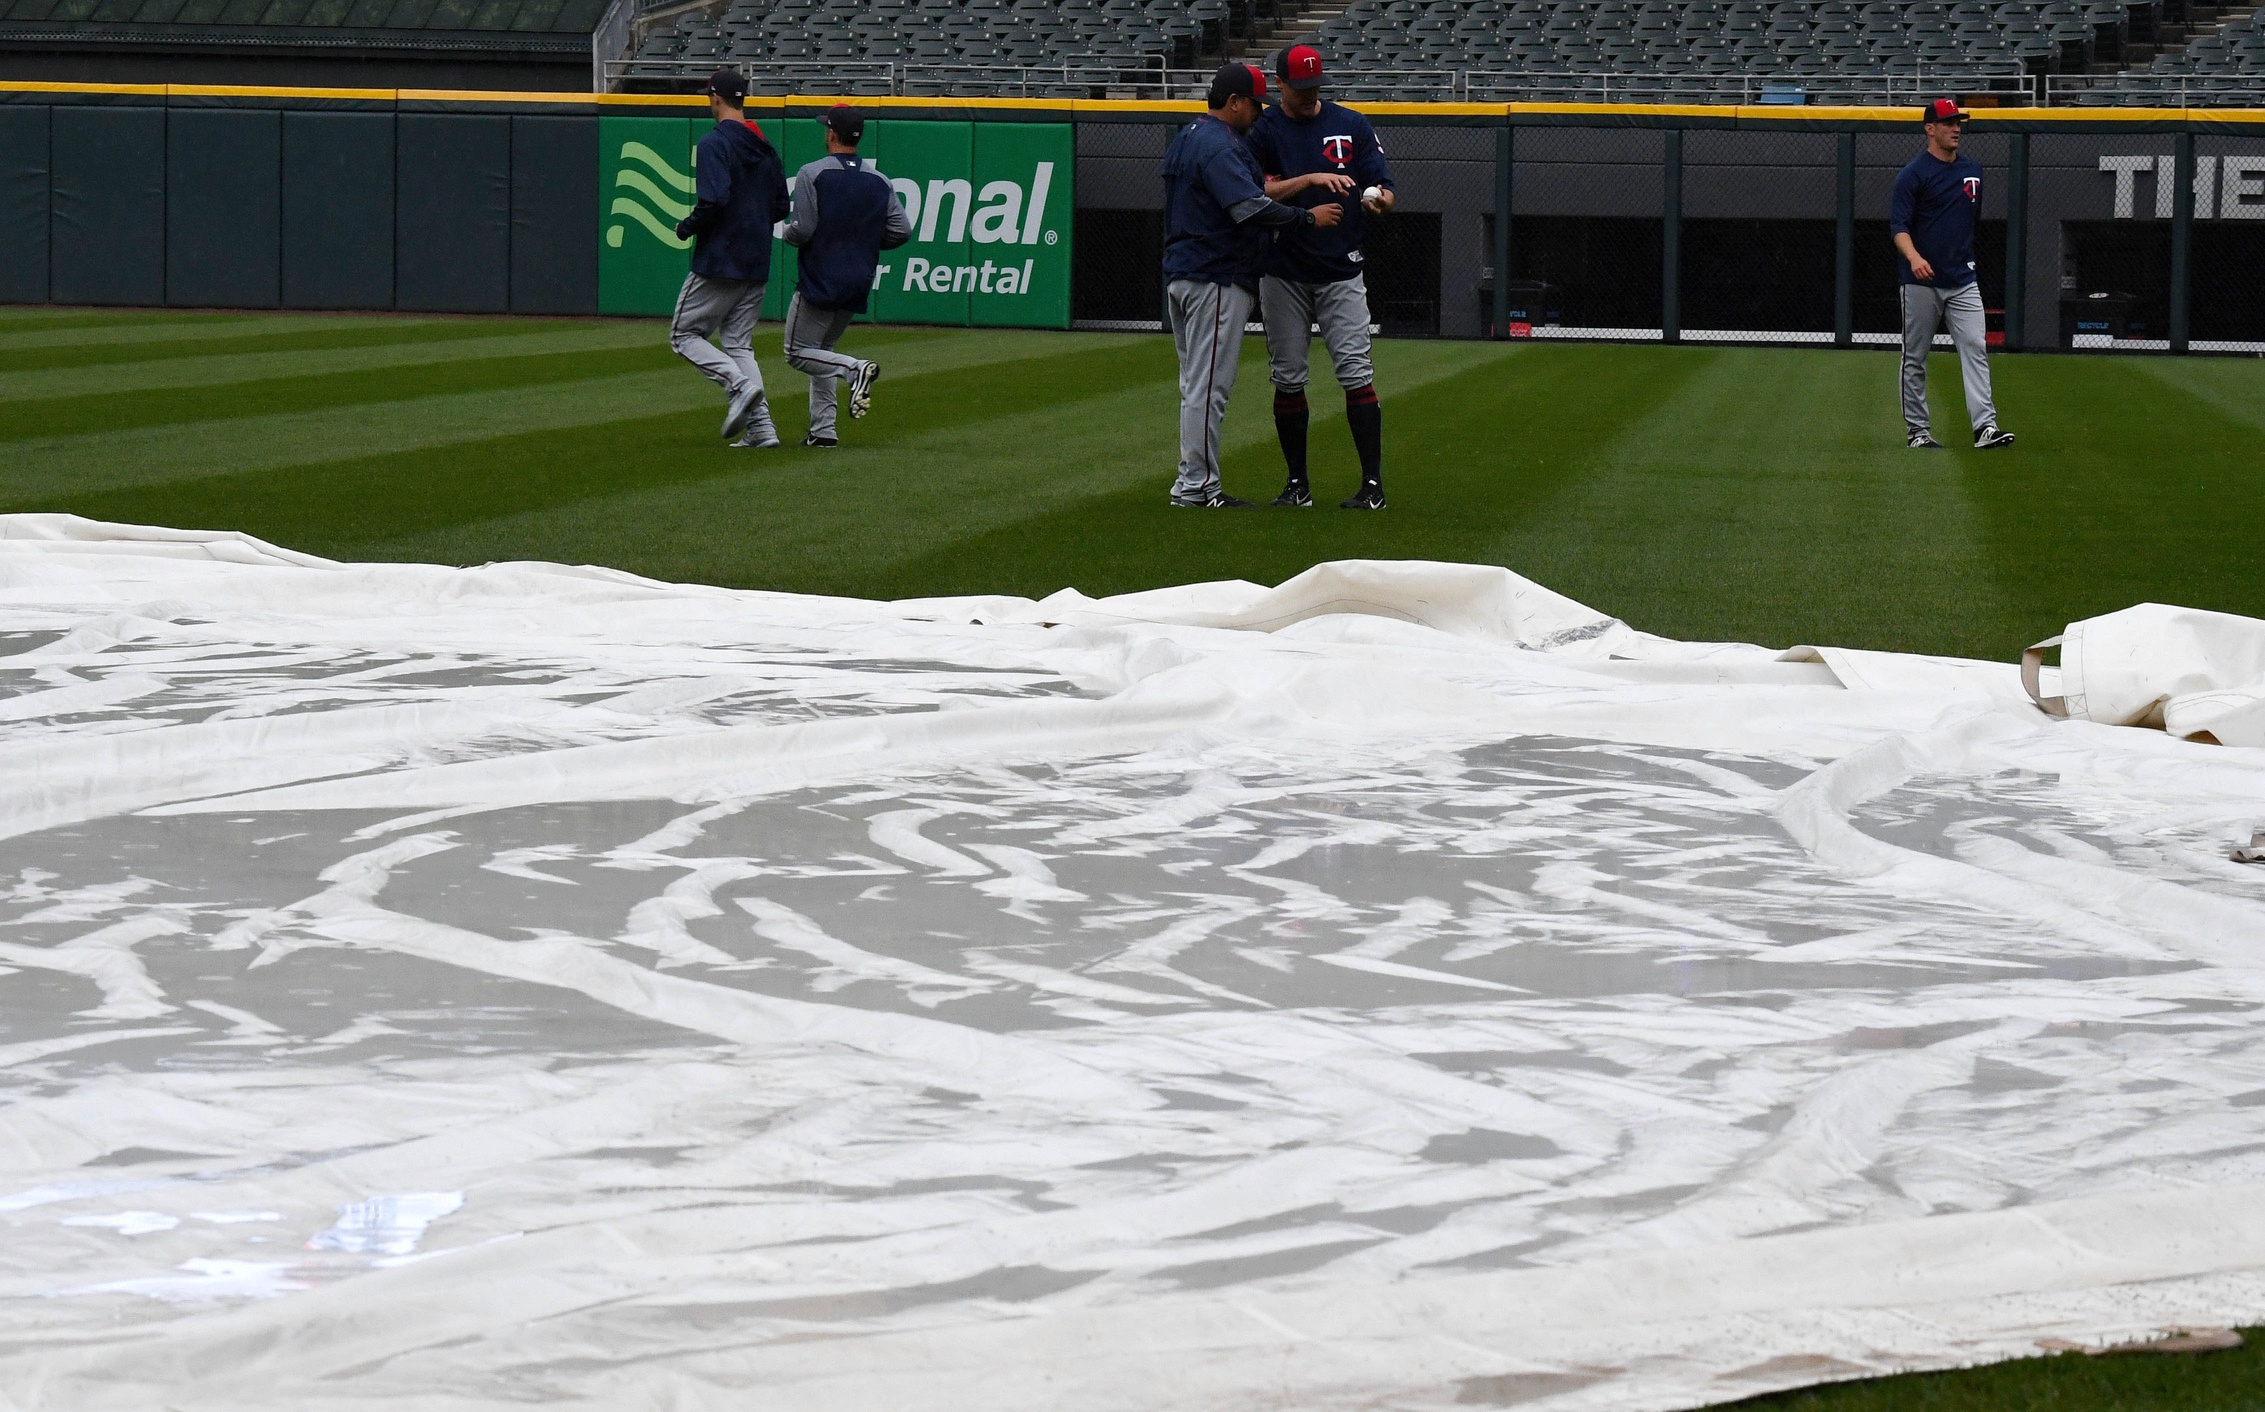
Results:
1316 154
1932 215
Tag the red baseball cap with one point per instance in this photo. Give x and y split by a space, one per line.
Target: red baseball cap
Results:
1300 67
1942 110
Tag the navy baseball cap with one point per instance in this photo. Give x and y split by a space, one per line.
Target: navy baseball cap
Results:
1299 67
1236 81
845 122
1942 110
729 85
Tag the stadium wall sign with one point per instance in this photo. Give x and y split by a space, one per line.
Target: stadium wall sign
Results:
989 205
2239 194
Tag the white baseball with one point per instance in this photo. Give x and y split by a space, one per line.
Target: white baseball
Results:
1374 193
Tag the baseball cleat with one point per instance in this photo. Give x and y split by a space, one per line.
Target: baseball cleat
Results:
743 405
1297 495
1369 497
758 439
821 441
1990 438
861 388
1217 500
1922 439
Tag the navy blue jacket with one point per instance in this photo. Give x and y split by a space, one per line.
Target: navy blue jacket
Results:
1938 204
845 215
1337 139
739 193
1216 214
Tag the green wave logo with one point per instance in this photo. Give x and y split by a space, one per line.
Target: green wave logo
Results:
657 211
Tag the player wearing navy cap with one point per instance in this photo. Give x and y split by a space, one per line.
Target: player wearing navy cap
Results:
845 215
1216 215
739 190
1316 153
1932 214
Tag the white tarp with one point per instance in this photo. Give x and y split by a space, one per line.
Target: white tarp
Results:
426 988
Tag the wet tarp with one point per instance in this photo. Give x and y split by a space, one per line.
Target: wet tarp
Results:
432 988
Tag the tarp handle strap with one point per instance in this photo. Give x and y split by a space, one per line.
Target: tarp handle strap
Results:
2032 662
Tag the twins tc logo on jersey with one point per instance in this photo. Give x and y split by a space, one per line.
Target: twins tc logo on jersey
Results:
1973 188
1338 149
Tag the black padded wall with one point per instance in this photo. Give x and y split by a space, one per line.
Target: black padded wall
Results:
452 213
223 198
23 205
106 238
337 211
554 215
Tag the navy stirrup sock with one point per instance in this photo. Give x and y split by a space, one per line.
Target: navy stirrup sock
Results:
1290 415
1366 419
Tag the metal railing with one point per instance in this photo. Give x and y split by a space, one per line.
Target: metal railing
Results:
2008 87
1143 77
2156 90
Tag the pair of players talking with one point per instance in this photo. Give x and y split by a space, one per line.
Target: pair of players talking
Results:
1260 206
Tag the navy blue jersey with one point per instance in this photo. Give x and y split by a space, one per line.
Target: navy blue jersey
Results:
1938 204
739 194
1209 175
1336 139
845 215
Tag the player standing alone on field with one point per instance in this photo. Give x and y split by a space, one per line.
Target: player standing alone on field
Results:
1932 215
1315 152
845 215
1216 215
739 192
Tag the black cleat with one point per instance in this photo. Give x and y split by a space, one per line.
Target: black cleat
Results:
820 441
861 388
1922 439
1990 438
1369 497
1297 495
1220 500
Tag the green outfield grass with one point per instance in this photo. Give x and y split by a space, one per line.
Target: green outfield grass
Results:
1757 494
1754 494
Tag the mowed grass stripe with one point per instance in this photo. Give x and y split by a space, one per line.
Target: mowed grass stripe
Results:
96 330
1456 416
2130 486
57 472
882 517
105 414
221 370
253 340
331 504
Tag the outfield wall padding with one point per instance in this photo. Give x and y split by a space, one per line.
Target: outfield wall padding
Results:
23 205
337 211
223 208
452 213
106 242
554 209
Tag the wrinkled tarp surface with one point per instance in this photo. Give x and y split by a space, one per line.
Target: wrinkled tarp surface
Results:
428 988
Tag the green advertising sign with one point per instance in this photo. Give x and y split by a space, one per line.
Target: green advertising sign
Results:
644 189
989 203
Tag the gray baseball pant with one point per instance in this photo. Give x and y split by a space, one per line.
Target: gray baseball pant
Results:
812 330
725 309
1925 308
1291 309
1207 328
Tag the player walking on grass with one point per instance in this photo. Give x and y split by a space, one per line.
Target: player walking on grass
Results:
739 192
1216 216
1932 215
845 215
1315 152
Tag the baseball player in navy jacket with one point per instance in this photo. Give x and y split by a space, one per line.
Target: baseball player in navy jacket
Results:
1932 215
739 192
1216 217
1317 154
845 215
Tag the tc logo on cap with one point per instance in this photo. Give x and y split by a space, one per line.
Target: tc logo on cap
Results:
1301 66
1943 108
